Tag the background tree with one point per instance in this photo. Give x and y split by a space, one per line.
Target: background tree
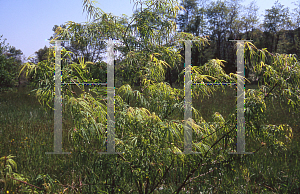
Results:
233 28
218 20
250 21
84 41
42 54
193 20
189 20
296 14
276 19
10 61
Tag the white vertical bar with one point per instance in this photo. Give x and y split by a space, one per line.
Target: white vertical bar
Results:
240 99
58 102
110 99
187 99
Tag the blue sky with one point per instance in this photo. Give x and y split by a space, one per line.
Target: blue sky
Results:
27 23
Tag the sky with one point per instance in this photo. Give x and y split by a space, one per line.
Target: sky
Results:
27 24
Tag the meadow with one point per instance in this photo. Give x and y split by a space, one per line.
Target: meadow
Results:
27 133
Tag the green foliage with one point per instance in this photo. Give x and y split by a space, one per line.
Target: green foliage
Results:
9 65
149 129
97 71
85 41
42 54
277 18
10 180
147 113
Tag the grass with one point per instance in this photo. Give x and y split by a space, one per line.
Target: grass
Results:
27 133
